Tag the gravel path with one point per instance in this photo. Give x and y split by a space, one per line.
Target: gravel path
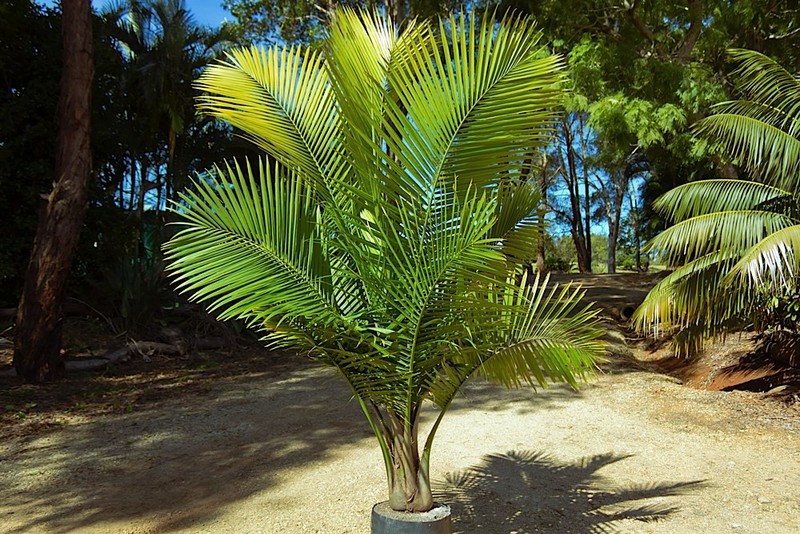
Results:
633 452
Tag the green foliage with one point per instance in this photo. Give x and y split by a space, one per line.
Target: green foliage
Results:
647 71
303 22
734 245
600 246
559 254
135 103
388 236
778 312
30 44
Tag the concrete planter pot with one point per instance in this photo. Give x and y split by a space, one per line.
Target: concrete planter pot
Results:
388 521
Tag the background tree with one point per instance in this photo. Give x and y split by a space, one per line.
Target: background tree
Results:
30 68
735 243
304 22
570 162
647 72
131 127
39 315
163 50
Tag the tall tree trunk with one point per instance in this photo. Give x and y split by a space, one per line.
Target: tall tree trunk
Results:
397 11
540 247
614 215
636 222
37 343
586 199
577 229
611 257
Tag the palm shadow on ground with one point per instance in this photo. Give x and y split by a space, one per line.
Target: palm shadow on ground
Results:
529 491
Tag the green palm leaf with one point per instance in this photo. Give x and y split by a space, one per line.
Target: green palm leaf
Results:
704 197
722 230
764 81
775 259
734 239
282 100
762 148
250 246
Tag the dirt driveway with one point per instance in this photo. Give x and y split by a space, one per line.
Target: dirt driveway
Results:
288 452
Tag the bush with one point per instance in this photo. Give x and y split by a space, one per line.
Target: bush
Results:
557 264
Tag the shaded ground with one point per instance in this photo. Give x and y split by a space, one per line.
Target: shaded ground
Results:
249 441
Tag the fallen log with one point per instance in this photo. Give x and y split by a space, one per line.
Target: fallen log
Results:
211 343
144 349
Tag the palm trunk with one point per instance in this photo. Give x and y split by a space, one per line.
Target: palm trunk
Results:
409 479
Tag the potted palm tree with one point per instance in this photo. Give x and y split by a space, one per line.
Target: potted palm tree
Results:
385 233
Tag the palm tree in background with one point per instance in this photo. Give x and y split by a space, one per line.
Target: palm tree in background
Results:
735 243
387 231
165 49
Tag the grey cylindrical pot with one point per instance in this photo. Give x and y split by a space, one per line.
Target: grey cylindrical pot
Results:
388 521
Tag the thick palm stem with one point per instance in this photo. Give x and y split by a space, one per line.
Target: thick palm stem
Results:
409 478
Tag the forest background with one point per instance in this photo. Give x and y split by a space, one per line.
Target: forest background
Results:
641 74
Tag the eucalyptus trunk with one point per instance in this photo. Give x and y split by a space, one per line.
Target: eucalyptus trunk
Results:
37 343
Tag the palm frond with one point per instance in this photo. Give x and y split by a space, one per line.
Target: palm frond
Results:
725 230
281 98
763 80
693 296
762 113
546 334
250 246
762 148
704 197
466 106
517 224
774 261
760 132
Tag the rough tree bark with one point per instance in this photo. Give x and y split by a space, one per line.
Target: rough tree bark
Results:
37 344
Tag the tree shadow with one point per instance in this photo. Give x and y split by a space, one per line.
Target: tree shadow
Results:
176 467
529 491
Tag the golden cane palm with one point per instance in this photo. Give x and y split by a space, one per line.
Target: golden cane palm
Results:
385 234
734 241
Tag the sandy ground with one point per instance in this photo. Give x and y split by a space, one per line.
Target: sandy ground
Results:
634 452
288 452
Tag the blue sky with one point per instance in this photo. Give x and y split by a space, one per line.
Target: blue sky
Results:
206 12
